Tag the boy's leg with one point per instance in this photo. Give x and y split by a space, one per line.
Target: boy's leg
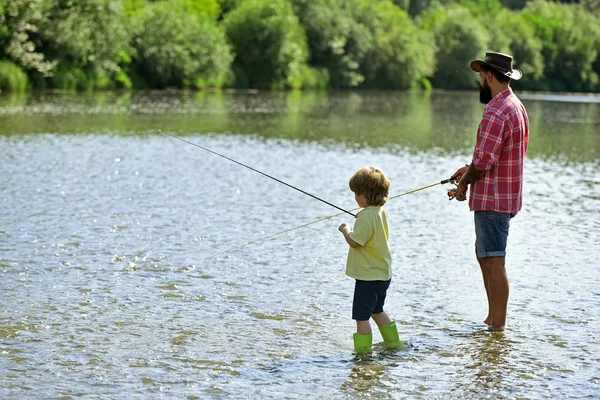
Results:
381 319
389 331
363 343
363 327
362 308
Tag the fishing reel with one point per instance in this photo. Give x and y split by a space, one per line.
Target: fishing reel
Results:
453 190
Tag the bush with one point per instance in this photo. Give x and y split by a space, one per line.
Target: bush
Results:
336 42
180 49
510 33
570 37
270 43
20 22
314 78
402 55
460 39
12 77
365 43
84 36
69 77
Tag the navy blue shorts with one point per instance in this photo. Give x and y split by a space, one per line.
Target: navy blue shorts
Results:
491 233
369 297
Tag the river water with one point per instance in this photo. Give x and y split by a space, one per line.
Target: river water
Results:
118 278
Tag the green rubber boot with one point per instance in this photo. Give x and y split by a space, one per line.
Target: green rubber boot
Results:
389 333
363 343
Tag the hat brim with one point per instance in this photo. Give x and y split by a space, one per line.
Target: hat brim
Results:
516 74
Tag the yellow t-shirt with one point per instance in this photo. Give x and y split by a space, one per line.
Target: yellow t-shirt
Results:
373 260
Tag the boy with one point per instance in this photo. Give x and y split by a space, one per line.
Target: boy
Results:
369 258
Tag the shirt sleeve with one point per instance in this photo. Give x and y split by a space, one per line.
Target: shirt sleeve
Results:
490 137
362 231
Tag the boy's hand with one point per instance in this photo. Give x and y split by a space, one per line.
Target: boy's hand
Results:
344 227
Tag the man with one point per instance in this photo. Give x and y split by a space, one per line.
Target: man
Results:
496 176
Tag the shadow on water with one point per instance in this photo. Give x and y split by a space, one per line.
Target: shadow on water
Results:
417 121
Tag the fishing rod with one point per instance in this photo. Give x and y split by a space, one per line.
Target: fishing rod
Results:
443 182
260 172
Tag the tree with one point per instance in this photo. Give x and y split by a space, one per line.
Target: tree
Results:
402 55
85 39
174 47
19 26
570 40
269 42
336 41
459 39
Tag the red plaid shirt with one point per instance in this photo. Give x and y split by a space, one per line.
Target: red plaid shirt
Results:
502 139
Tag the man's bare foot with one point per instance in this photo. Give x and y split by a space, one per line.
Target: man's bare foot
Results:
496 328
488 320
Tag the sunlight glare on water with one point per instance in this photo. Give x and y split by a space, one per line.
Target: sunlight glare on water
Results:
110 286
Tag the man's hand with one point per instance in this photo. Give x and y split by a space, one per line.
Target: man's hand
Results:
461 191
344 228
459 173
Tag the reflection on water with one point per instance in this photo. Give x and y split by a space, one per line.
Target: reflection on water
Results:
365 377
108 287
419 121
488 355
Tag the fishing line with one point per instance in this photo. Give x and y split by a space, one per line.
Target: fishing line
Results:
325 218
255 170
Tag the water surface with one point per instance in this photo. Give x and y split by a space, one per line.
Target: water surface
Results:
112 284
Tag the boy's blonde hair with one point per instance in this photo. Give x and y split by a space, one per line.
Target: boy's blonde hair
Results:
373 183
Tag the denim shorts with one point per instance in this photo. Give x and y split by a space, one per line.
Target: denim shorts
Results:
491 233
369 297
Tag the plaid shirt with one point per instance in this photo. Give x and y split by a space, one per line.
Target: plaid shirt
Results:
502 140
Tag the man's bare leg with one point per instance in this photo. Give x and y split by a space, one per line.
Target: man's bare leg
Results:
485 275
497 288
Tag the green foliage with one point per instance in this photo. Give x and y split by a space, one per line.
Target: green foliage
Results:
510 33
366 43
523 45
397 44
228 5
180 50
483 8
314 78
417 7
337 42
592 6
83 37
403 4
459 39
131 8
401 54
210 9
12 77
68 77
270 43
20 22
570 40
515 4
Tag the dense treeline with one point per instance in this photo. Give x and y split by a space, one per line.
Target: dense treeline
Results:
293 44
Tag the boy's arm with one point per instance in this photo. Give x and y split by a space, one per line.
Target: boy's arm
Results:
345 229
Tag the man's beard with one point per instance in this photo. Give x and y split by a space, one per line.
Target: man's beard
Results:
485 93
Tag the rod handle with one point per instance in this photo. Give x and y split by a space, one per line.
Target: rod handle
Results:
449 180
